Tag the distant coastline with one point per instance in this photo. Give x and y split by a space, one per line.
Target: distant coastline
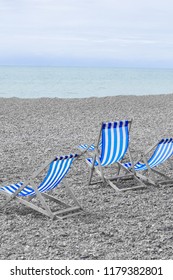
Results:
85 98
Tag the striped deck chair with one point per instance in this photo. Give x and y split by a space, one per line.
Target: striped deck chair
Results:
24 192
89 148
161 152
114 137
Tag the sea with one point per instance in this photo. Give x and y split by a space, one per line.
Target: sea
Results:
81 82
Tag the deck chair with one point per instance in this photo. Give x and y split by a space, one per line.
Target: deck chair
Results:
25 192
161 152
89 148
114 139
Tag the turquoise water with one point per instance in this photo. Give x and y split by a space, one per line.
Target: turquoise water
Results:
35 82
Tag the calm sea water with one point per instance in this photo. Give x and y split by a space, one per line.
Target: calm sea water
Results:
34 82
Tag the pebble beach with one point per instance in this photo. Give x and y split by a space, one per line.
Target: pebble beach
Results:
126 225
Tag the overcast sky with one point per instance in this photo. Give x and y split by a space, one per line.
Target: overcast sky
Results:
87 32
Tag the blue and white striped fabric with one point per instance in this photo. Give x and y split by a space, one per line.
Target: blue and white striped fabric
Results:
57 170
163 151
85 146
91 148
115 141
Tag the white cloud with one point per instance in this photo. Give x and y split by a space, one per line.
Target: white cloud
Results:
90 28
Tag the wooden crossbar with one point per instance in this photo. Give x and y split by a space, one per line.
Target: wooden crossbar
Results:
70 209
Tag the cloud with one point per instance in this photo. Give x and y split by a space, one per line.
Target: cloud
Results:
92 29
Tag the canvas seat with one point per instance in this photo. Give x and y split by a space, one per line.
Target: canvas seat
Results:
162 151
111 148
89 148
24 192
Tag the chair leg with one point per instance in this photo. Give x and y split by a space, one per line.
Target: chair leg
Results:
91 174
119 168
92 169
100 167
149 169
73 196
